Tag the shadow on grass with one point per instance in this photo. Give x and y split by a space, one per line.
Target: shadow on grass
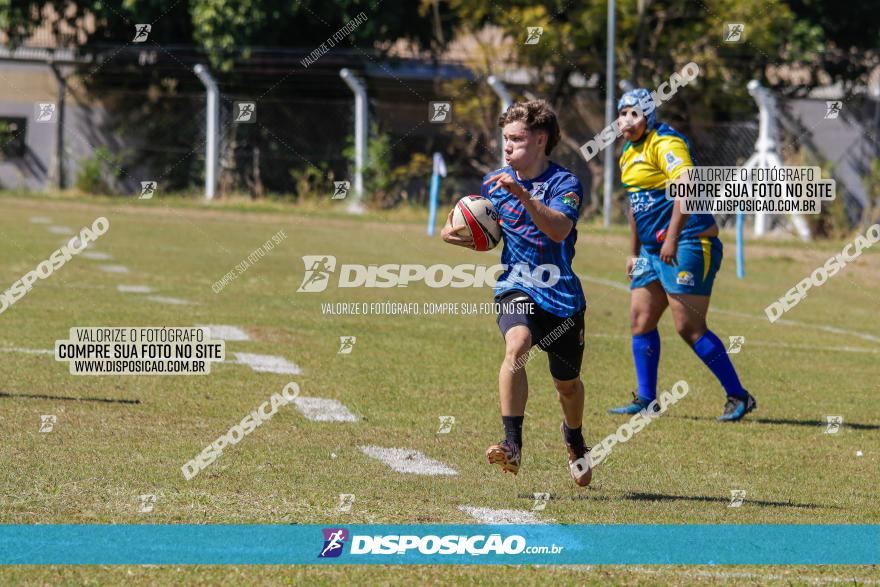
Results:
66 398
785 422
639 496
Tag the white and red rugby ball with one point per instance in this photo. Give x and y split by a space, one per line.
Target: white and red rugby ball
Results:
477 217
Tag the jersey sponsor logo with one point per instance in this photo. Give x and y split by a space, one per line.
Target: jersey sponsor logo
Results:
672 161
641 201
639 159
660 235
538 190
571 200
685 278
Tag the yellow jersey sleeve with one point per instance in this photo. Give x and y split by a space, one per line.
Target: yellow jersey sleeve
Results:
671 156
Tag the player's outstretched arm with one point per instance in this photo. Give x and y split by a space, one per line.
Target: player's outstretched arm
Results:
453 238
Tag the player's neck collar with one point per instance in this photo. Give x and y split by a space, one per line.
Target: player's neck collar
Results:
644 136
545 171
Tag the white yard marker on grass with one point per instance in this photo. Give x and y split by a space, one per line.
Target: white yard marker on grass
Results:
490 516
404 460
226 332
169 300
96 255
60 230
134 288
75 243
319 409
27 351
268 363
113 268
41 220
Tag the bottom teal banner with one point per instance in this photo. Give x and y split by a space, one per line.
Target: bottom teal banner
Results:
186 544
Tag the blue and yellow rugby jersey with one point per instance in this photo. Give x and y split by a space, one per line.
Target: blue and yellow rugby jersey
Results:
646 165
559 189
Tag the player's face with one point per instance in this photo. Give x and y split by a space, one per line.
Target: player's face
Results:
632 124
522 147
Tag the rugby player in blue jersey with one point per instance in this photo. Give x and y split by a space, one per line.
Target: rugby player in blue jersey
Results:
674 257
538 204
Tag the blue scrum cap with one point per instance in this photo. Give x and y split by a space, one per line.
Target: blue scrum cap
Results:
641 98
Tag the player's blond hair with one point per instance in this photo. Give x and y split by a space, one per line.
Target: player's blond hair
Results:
536 115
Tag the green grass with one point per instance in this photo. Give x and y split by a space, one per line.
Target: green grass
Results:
406 372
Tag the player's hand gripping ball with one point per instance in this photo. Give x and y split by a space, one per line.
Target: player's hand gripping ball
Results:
475 216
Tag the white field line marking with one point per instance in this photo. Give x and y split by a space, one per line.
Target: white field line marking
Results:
134 288
226 332
404 460
319 409
96 255
74 242
60 230
113 268
169 300
823 327
490 516
608 282
268 363
41 220
31 351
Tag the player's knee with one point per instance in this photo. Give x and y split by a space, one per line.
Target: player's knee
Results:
517 344
690 332
640 322
568 388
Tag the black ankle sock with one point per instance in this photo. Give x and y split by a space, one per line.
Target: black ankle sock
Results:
575 438
513 429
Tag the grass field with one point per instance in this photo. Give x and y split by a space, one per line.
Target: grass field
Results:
403 374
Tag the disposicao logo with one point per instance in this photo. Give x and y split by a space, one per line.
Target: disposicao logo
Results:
319 268
334 540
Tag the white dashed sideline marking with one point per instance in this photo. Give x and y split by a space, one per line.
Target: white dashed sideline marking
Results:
226 332
75 243
169 300
786 321
134 288
60 230
28 351
404 460
268 363
319 409
490 516
41 220
96 255
113 268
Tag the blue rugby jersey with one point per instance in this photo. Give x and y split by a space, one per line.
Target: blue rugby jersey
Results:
525 244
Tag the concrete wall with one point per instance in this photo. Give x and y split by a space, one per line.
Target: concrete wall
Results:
25 85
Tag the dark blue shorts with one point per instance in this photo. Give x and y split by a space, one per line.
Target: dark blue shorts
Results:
561 338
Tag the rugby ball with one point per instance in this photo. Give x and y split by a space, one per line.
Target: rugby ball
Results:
477 217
